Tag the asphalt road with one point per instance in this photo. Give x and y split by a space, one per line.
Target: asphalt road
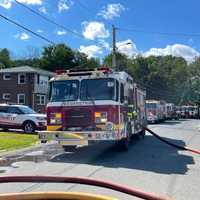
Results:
149 165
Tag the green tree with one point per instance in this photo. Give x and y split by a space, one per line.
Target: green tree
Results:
164 77
122 61
57 57
82 61
33 62
5 60
194 81
63 57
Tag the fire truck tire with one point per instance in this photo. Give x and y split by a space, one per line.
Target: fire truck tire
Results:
69 148
5 129
43 141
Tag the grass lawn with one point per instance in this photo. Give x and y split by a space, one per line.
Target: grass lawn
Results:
12 140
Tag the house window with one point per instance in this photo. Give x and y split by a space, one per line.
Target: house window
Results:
21 98
42 80
6 96
7 76
21 78
41 99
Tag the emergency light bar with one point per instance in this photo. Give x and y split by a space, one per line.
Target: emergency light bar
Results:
84 72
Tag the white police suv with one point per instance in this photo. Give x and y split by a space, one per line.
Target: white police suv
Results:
21 117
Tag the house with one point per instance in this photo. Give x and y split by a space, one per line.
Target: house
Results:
25 85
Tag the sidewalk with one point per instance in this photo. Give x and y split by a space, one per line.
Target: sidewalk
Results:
11 156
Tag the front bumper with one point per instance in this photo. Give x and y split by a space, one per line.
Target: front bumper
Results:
78 138
151 120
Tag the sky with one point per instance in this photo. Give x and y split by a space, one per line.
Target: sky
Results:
144 27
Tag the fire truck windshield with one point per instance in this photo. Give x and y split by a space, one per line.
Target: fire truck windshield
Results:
151 105
64 90
98 89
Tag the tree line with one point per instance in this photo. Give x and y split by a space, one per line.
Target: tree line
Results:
164 77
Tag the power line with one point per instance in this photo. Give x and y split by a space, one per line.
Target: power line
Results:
158 91
88 10
56 24
159 33
49 20
83 6
27 29
160 94
143 31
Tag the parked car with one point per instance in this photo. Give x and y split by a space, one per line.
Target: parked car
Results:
21 117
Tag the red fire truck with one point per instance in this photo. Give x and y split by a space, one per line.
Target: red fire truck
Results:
155 111
94 105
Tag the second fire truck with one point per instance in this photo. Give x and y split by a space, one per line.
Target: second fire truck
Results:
94 105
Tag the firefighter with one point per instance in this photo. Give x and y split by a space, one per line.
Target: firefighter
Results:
132 114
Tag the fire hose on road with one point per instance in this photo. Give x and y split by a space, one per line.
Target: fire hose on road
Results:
184 148
85 181
100 183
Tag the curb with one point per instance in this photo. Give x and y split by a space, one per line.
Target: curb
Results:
22 151
3 161
6 158
17 151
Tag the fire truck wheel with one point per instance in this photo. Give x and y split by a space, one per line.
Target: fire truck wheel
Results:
69 148
43 141
5 129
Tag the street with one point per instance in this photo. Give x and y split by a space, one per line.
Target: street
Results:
149 165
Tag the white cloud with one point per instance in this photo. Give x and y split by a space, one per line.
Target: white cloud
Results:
62 32
178 50
93 30
104 44
22 36
40 31
31 2
43 10
111 11
91 50
64 5
127 47
7 4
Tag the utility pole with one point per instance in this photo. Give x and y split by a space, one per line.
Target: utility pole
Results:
114 65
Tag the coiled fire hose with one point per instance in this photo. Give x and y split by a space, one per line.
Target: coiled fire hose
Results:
184 148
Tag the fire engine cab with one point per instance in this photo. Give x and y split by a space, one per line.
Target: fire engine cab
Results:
94 105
